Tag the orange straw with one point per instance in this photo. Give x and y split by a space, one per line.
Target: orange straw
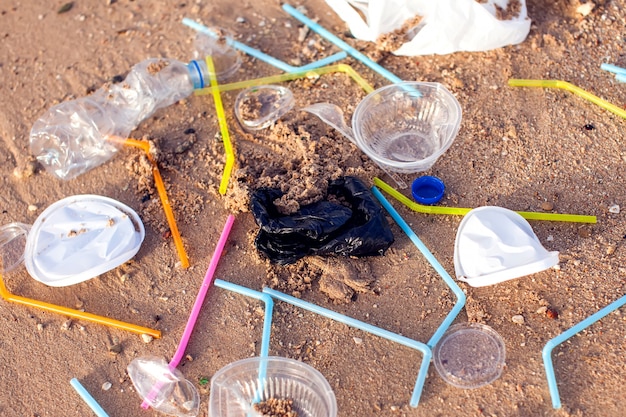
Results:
167 208
75 313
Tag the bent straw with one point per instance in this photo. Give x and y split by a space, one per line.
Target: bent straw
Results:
268 59
4 292
571 88
221 117
547 349
377 331
86 396
345 68
458 292
529 215
320 30
197 306
269 307
165 202
267 324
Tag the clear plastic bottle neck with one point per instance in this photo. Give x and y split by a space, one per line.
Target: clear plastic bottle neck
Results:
198 73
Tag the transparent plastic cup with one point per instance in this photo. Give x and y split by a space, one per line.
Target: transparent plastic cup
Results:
407 126
239 388
12 244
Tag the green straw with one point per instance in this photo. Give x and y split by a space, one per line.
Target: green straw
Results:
528 215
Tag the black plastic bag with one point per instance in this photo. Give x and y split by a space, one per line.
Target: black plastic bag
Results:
322 228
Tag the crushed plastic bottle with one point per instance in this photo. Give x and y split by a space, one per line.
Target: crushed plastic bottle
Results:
72 137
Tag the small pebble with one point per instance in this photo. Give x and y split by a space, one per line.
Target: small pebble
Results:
146 338
357 340
518 319
115 349
585 8
66 325
614 209
302 33
240 20
32 207
552 313
40 327
106 386
542 310
547 206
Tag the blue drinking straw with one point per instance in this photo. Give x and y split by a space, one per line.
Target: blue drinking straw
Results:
269 307
613 68
268 59
547 349
377 331
319 29
460 295
86 396
267 326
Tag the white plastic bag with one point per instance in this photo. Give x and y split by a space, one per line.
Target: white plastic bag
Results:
446 26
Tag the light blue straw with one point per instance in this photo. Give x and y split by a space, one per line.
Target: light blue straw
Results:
460 295
267 325
613 68
319 29
86 396
269 307
547 349
268 59
377 331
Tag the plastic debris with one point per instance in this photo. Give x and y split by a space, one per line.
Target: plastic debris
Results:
356 228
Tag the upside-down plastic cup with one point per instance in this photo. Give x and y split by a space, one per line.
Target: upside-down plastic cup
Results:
238 389
407 126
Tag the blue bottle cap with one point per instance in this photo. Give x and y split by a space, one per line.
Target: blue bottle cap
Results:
427 189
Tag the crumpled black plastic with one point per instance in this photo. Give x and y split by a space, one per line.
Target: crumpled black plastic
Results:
322 228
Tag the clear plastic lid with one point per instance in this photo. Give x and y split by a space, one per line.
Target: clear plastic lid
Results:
470 355
81 237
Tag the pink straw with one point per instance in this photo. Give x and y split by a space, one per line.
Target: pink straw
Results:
197 306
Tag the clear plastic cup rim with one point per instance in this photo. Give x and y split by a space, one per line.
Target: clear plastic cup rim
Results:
409 166
232 376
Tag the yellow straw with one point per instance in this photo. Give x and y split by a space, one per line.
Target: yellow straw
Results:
75 313
167 208
221 117
572 88
529 215
347 69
